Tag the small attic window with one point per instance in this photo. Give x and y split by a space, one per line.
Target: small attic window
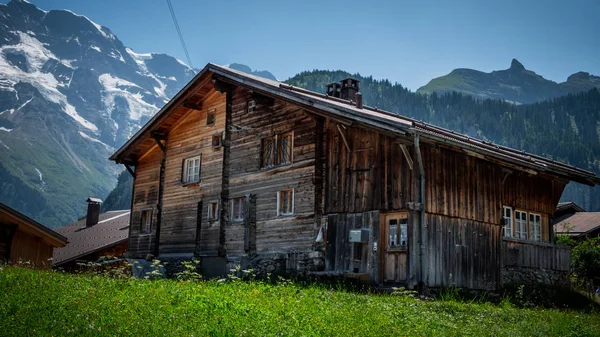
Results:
217 139
251 106
210 117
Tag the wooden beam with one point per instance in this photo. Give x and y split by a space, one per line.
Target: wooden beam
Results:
130 170
220 85
344 138
407 156
158 139
262 99
192 105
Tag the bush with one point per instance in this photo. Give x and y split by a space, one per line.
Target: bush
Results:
585 259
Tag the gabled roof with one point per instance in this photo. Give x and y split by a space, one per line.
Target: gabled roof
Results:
569 205
111 229
346 111
10 216
579 223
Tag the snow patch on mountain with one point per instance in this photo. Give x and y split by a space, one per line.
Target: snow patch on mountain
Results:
36 56
88 137
114 86
96 48
5 129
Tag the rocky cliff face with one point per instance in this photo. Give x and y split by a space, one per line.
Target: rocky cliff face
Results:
70 94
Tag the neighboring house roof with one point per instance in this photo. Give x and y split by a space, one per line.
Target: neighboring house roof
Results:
344 110
24 223
568 206
112 228
579 223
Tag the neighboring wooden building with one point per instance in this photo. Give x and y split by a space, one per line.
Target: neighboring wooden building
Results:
241 170
95 236
23 239
572 220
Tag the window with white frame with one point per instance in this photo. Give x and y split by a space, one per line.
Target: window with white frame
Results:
191 170
146 224
521 225
213 210
535 226
237 209
403 232
508 221
285 202
251 106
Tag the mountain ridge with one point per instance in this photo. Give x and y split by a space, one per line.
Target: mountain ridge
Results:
515 84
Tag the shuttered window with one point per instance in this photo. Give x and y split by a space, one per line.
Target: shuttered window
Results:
277 150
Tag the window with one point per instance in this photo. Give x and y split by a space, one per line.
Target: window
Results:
393 233
237 209
284 150
213 211
251 106
267 151
398 235
403 232
191 170
285 202
216 139
521 225
508 221
146 224
210 117
277 150
535 226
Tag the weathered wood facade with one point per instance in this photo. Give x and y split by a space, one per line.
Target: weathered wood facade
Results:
25 240
280 165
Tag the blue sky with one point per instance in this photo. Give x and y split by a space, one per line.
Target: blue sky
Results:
409 42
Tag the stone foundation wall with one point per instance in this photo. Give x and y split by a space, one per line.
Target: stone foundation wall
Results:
523 275
293 263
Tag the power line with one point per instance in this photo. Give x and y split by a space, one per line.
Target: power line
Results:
187 55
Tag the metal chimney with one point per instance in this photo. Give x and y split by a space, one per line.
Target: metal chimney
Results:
359 102
93 211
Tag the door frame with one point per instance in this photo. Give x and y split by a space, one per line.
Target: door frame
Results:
384 237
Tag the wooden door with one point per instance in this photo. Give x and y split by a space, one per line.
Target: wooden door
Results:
395 246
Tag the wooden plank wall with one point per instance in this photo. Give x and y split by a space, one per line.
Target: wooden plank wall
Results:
339 252
532 255
272 233
462 253
27 247
373 175
458 185
189 137
145 197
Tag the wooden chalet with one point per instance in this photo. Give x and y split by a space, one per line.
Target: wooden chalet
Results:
24 240
242 170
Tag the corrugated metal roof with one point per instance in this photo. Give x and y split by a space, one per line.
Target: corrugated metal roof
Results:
112 228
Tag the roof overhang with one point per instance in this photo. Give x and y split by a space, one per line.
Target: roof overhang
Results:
30 226
346 112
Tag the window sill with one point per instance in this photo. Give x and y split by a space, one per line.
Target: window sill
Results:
192 184
145 234
529 242
397 250
290 215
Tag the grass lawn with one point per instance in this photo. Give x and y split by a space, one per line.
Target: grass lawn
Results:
44 303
